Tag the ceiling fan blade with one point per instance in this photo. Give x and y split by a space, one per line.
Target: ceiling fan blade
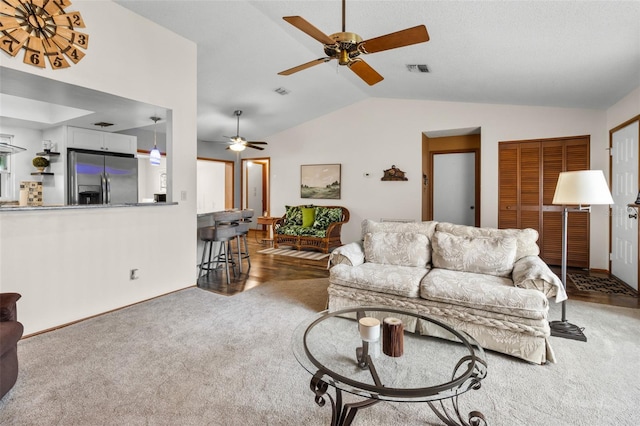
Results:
304 66
300 23
257 142
402 38
255 147
365 72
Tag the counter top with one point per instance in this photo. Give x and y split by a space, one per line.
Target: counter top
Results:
15 208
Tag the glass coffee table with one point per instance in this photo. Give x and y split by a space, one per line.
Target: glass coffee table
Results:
430 369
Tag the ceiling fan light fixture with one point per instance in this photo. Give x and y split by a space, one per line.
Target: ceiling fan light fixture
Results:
237 147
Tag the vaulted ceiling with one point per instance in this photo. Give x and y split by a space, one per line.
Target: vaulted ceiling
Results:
578 54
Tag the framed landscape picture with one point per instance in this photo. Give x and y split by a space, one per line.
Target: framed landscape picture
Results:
320 181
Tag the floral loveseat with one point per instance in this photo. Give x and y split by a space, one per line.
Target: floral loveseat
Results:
310 227
489 283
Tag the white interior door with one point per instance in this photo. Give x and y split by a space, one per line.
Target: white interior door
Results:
210 186
624 182
454 188
254 188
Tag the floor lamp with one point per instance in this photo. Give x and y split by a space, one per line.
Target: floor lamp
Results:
584 187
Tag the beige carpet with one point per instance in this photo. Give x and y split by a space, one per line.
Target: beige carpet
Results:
198 358
300 254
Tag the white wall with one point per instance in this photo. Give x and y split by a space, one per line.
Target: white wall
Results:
71 264
623 111
374 134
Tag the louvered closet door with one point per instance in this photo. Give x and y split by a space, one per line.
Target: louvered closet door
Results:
528 173
568 155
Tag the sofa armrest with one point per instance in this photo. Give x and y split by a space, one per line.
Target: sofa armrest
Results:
351 254
8 310
531 272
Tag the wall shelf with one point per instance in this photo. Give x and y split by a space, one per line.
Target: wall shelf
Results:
50 154
41 174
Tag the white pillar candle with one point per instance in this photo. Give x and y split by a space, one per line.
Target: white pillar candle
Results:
369 329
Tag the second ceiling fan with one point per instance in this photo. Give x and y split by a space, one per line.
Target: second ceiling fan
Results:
237 142
346 47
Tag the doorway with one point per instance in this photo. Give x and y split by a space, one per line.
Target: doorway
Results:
454 201
255 185
214 179
451 176
624 218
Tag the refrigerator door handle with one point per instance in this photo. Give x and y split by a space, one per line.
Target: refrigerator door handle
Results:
108 180
73 187
103 184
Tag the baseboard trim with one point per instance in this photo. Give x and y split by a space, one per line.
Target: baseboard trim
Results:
100 314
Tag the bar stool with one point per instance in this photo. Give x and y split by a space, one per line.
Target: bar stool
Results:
241 233
223 232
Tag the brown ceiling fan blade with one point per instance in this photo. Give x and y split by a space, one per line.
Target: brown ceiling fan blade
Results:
255 147
365 72
300 23
257 142
304 66
402 38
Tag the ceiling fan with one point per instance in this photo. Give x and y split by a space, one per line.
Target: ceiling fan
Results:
238 143
346 47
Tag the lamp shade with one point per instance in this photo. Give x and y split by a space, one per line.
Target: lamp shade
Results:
155 156
582 187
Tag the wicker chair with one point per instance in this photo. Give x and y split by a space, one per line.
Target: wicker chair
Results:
299 242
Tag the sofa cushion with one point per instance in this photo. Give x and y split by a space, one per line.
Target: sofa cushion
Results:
293 215
390 279
325 216
308 216
397 248
526 238
426 228
482 255
485 292
301 231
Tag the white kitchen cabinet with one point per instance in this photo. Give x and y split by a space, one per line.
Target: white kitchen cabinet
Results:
97 140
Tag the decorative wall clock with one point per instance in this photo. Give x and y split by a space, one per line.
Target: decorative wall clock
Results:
44 30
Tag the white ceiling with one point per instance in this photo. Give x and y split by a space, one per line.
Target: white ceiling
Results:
580 54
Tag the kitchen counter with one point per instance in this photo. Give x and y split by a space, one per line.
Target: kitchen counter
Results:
15 208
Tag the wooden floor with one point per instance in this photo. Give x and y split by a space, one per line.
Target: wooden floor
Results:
268 267
264 268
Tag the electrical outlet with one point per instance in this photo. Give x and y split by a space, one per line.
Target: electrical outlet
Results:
133 274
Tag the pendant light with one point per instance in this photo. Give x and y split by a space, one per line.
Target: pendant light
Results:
154 155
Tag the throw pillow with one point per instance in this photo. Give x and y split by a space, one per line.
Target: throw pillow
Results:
480 255
397 248
308 216
325 216
293 215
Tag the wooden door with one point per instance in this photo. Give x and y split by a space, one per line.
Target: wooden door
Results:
528 173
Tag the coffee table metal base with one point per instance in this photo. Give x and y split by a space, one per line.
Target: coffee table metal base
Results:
343 414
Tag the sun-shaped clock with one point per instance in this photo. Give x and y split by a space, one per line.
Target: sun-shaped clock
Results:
44 30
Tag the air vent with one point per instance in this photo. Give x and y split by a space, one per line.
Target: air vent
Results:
281 91
103 124
418 68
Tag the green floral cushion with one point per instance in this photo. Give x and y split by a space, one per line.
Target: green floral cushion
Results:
326 216
302 231
293 215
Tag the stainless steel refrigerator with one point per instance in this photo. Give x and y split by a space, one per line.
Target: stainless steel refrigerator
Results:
99 178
